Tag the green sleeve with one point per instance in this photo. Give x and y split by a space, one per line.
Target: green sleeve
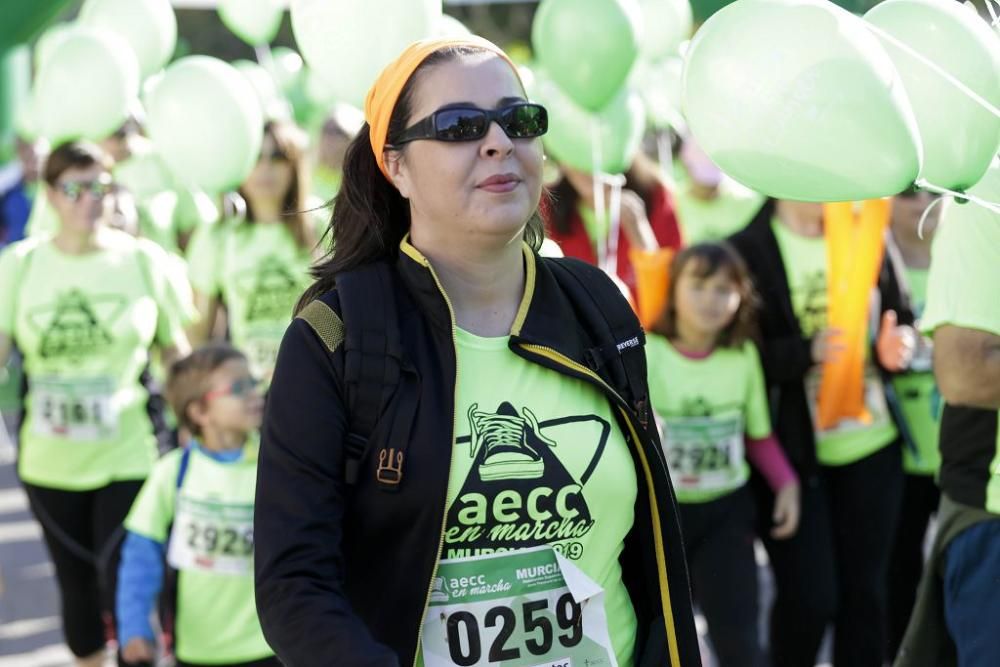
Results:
153 509
171 316
965 266
9 268
757 413
203 255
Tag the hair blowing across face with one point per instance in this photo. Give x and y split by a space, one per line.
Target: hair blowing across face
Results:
370 217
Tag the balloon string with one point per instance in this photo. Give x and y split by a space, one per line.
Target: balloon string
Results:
664 154
599 208
265 58
993 13
930 187
615 223
926 214
935 68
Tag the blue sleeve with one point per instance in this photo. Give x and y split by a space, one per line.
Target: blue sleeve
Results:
140 577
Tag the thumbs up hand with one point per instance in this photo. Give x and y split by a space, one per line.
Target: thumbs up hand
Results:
895 344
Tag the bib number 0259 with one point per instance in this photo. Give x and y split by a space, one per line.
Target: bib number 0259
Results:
541 628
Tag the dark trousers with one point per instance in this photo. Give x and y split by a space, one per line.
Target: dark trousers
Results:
920 501
266 662
718 543
971 603
835 568
83 533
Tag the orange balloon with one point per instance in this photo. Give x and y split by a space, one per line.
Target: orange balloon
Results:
855 245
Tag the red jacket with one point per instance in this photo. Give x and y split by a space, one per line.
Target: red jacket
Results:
576 243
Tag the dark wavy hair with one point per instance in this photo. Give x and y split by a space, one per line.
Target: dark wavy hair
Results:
370 217
708 259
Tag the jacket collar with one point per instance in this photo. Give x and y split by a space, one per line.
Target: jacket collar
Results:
545 316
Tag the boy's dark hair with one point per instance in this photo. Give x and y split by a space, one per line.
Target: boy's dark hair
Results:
79 154
188 379
708 258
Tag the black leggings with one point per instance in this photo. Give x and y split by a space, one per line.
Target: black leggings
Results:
718 543
83 533
920 501
836 566
265 662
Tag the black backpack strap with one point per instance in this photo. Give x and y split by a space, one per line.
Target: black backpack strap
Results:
618 338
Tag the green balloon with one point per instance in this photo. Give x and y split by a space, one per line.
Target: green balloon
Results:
665 24
588 47
272 103
149 27
145 175
797 100
47 42
659 84
570 139
959 136
205 122
287 68
86 86
256 22
376 31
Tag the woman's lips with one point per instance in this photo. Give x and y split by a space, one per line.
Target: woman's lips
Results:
500 183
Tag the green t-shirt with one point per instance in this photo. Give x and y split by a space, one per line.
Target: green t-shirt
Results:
704 408
850 440
718 218
212 548
259 272
85 324
918 396
539 460
965 268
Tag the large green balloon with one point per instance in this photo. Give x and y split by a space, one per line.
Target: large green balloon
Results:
374 32
47 42
665 24
206 123
571 129
588 47
256 22
86 85
960 137
149 27
798 100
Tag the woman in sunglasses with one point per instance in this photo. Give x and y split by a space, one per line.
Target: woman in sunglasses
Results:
85 307
531 517
255 264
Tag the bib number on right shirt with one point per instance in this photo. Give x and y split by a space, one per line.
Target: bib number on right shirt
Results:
527 608
703 453
211 537
81 409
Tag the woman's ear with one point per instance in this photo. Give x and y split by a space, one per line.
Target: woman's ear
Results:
398 174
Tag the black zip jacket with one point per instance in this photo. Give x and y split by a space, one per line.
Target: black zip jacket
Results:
343 575
785 354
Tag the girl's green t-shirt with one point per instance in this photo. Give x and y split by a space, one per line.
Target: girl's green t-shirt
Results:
259 272
85 325
705 408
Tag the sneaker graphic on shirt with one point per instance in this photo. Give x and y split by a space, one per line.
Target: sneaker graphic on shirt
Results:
509 441
439 593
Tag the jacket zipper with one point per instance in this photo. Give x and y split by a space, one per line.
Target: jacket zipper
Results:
661 561
451 448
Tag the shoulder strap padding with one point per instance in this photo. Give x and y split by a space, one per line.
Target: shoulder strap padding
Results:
325 322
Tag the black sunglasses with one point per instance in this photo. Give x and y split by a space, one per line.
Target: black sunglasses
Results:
523 120
98 189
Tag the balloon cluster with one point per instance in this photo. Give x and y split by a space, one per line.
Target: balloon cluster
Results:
800 99
605 67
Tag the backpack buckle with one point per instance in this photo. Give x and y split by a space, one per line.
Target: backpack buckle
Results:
389 473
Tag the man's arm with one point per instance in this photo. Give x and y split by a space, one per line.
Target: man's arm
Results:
967 366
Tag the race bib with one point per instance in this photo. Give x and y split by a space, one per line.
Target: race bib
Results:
704 453
76 409
212 537
527 608
875 404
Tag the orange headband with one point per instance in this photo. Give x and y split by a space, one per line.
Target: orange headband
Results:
384 93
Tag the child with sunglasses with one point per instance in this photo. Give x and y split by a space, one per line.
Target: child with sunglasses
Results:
196 509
